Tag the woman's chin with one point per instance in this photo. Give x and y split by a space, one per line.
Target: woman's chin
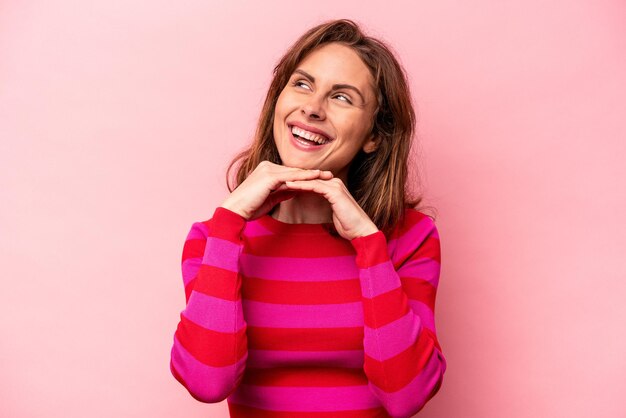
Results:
296 163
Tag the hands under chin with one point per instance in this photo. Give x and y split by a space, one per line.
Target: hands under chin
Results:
349 218
269 184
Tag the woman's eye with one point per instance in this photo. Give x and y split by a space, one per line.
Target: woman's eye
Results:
300 83
344 98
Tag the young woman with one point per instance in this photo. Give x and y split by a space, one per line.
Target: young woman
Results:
311 290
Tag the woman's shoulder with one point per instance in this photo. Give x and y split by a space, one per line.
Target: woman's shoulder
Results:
416 233
413 220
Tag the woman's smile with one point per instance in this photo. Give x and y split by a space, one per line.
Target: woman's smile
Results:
307 138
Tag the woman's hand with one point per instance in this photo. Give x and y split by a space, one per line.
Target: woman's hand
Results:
265 187
349 218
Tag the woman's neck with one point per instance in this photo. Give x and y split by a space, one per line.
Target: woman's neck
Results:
304 208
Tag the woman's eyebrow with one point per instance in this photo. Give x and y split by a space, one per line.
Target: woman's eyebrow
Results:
335 86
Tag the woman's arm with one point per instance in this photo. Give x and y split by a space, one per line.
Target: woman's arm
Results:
403 360
210 345
209 353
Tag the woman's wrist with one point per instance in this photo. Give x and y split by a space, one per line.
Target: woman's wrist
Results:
369 230
370 249
233 208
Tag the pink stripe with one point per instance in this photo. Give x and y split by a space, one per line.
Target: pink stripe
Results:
411 398
389 340
255 229
261 314
422 268
416 234
379 279
190 269
221 253
283 398
211 384
299 269
425 314
214 313
276 358
198 231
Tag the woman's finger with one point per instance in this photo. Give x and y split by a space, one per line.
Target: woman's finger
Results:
305 175
317 186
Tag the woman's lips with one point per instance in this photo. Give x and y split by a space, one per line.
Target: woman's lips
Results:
308 128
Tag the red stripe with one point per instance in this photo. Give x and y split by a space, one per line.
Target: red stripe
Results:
385 308
371 250
298 246
189 288
301 293
217 282
433 337
420 290
430 249
305 377
395 373
193 248
242 411
229 224
305 339
411 217
212 348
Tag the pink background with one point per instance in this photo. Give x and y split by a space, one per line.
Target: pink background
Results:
117 120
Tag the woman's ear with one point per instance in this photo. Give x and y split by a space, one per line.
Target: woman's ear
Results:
371 144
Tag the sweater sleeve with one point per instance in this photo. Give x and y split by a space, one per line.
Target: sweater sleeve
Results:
403 361
209 352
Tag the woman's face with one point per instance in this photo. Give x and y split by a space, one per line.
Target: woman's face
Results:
324 115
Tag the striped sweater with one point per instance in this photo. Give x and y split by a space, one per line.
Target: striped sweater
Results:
290 320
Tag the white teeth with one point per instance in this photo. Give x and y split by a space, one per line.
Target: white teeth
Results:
309 135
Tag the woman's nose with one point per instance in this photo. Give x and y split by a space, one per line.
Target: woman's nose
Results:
314 107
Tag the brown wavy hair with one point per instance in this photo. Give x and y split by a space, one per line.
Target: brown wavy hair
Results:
376 180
